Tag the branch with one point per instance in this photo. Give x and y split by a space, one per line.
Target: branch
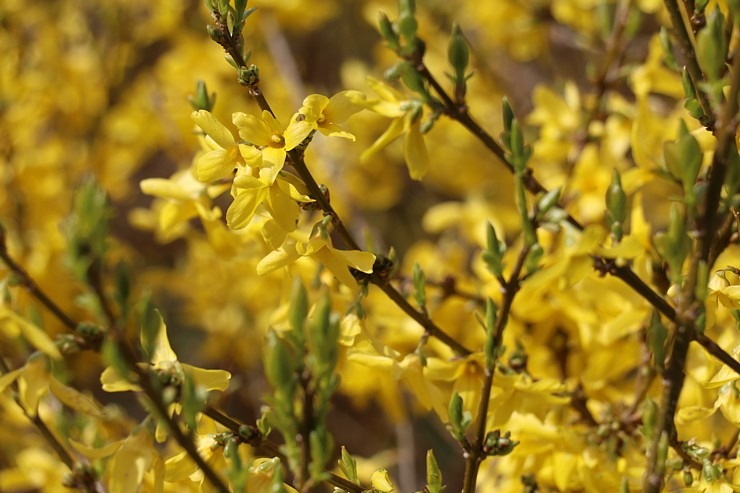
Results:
476 455
692 65
265 448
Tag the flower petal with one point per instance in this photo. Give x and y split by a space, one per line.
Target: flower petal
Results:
276 259
208 379
296 132
252 129
391 133
213 128
343 105
242 210
415 152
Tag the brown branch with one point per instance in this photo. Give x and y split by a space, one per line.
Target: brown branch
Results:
83 476
475 455
692 65
31 286
265 448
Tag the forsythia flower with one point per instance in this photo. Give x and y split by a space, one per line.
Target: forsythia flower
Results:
164 360
268 135
222 152
337 261
406 119
325 114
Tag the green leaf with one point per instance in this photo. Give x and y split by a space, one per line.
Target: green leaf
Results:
419 286
348 465
434 475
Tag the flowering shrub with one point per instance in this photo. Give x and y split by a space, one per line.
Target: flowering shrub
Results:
257 296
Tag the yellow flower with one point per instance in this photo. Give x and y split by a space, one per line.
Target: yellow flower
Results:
164 361
381 481
406 119
277 190
337 261
222 153
326 114
269 136
260 478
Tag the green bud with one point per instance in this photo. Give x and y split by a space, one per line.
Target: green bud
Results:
387 32
508 114
413 80
665 42
711 46
407 26
434 475
279 363
494 254
490 349
348 465
673 245
458 53
683 160
249 76
457 420
419 286
657 335
202 100
406 7
298 308
649 417
497 444
688 478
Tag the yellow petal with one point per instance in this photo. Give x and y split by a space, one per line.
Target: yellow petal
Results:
213 128
37 337
162 350
252 129
245 204
252 156
391 133
296 132
164 188
283 208
214 165
415 152
130 463
74 399
208 379
283 256
33 384
313 107
8 378
381 481
112 382
93 452
343 105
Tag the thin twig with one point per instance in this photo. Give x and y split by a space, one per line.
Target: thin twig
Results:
692 65
83 476
475 455
265 448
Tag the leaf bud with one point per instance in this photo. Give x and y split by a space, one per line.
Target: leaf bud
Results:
490 349
455 413
407 26
458 54
419 285
387 32
434 475
494 253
